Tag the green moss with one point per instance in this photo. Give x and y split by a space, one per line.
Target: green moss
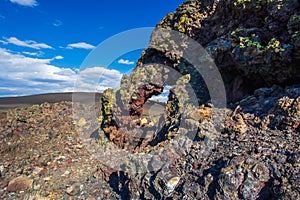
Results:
276 45
122 92
295 34
239 2
273 43
182 20
252 41
182 23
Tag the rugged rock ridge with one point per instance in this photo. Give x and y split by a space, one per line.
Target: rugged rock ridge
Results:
254 43
253 152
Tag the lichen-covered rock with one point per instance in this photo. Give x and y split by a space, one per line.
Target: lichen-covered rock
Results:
287 112
122 118
249 150
242 161
254 43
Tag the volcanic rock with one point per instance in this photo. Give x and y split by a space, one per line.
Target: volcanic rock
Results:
247 149
20 183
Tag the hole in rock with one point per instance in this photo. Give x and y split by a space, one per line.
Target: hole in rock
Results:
155 107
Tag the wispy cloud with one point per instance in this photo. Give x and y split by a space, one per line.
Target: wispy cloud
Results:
22 75
125 62
30 53
80 45
30 3
3 42
37 54
57 23
2 17
27 43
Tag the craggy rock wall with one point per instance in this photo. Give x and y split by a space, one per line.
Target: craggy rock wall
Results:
253 153
254 43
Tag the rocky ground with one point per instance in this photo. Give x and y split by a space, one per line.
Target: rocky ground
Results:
42 155
256 156
247 149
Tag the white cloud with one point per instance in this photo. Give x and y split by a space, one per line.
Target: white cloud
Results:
30 3
160 98
163 97
125 62
98 79
21 75
27 43
80 45
58 57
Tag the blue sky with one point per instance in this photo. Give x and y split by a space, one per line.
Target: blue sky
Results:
44 42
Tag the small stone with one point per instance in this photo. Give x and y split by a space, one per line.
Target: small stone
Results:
172 183
81 122
37 187
20 183
79 146
47 179
19 171
37 170
66 173
73 190
144 122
